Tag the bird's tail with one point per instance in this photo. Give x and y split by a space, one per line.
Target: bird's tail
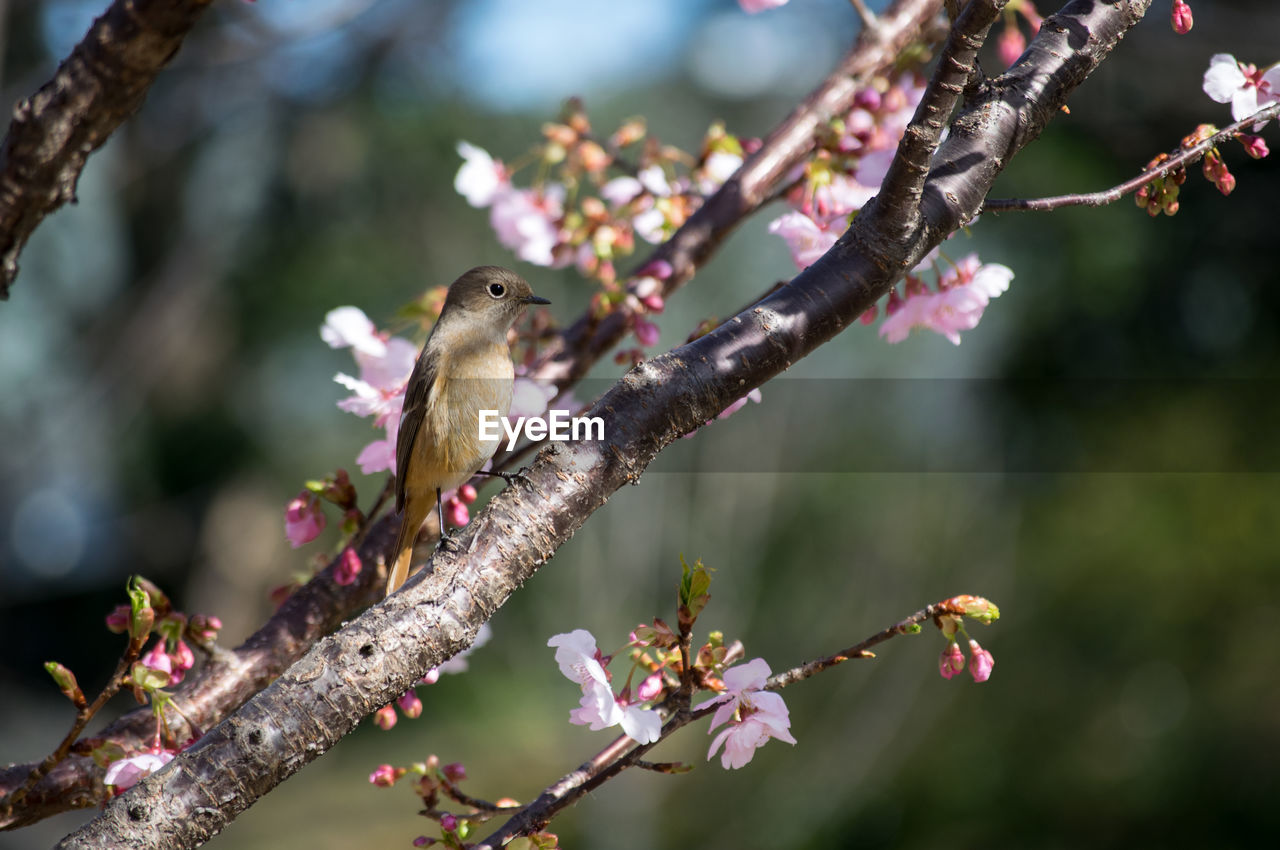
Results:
415 512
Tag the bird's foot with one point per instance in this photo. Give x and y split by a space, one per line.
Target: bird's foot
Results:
509 477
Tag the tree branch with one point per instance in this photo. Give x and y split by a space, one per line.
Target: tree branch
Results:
349 674
754 184
623 752
218 689
95 89
904 183
1180 159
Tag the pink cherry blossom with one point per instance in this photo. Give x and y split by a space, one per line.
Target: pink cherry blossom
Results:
525 221
349 327
181 660
806 239
157 659
654 180
1245 87
578 656
621 190
599 709
751 7
741 740
719 167
379 390
965 293
530 398
303 520
480 178
980 662
124 773
755 715
755 395
580 661
650 224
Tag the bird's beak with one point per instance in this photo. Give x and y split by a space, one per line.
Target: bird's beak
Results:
533 299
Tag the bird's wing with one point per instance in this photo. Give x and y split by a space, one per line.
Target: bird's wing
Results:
416 397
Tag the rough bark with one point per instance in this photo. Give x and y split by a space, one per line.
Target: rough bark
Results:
95 89
221 688
376 657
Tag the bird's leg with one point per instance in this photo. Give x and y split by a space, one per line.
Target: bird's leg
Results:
446 538
509 477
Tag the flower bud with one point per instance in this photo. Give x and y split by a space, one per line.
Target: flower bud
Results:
951 662
1181 18
66 682
385 717
980 662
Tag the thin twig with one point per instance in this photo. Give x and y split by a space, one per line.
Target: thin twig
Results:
623 752
868 17
83 716
1183 157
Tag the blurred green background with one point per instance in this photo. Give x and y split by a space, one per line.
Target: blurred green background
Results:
1098 456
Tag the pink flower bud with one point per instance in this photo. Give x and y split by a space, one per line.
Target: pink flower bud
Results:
384 776
449 823
868 99
869 315
385 717
433 676
181 660
661 269
650 688
1010 44
467 493
454 771
647 332
1181 17
1254 146
980 662
455 513
423 841
348 568
951 662
204 627
303 520
118 620
410 704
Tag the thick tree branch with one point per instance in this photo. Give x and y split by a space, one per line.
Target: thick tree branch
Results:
219 689
377 656
904 182
215 689
1178 159
95 89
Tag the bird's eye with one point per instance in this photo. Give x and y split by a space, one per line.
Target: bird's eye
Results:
497 290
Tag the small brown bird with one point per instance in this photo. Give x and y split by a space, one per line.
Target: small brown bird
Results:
464 368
